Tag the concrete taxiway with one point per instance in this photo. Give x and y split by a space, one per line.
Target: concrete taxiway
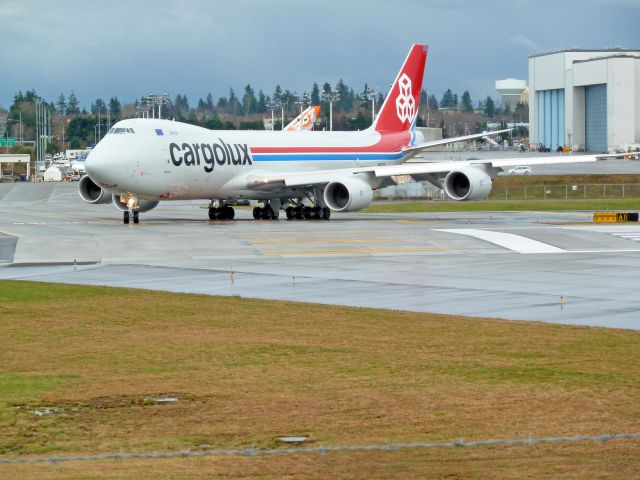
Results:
552 267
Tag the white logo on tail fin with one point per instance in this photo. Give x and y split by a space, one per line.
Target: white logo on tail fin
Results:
405 103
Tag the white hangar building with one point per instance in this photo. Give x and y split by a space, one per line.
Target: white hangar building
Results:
586 99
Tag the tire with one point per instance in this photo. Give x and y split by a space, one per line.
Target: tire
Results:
125 218
213 213
289 212
299 213
257 213
326 213
316 213
136 217
229 213
307 213
267 213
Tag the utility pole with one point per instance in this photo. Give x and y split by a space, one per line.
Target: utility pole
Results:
272 106
331 97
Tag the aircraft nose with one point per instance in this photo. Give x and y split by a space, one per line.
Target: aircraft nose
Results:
97 165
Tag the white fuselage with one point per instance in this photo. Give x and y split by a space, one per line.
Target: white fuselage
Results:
163 160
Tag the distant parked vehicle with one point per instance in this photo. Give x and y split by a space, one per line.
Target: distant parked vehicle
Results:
542 148
521 170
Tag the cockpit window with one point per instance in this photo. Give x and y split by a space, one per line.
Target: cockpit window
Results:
121 130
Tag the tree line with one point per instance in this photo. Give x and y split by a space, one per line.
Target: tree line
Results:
351 111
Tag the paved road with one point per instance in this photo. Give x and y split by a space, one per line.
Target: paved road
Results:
552 267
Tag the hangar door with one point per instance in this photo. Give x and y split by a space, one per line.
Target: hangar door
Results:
550 105
595 118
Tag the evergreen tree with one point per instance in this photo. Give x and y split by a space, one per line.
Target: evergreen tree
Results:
249 102
262 102
315 94
466 104
455 101
233 105
98 107
73 106
521 112
489 108
115 107
209 101
447 99
433 103
61 105
277 94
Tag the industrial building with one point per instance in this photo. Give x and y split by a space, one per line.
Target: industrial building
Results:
512 92
585 99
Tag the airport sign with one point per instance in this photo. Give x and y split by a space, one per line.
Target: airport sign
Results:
7 142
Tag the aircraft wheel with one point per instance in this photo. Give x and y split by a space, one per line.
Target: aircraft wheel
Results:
257 213
125 218
326 213
307 213
299 213
229 213
316 213
136 217
213 213
267 213
289 212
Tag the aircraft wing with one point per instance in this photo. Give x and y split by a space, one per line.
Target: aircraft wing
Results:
268 180
446 141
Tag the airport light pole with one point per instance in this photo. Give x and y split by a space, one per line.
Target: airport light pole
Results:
272 107
372 92
302 101
330 97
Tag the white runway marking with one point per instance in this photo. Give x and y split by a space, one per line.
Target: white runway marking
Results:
510 241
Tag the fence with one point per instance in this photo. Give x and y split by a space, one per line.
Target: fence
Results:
392 447
415 190
566 192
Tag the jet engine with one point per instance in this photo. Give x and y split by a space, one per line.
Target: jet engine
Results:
122 204
92 193
467 184
348 195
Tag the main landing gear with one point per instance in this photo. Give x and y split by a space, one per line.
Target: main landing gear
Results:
126 216
266 213
223 212
301 212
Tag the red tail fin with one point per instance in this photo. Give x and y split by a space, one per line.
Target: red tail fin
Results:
400 108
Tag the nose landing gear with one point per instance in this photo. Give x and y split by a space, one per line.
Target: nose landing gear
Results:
127 215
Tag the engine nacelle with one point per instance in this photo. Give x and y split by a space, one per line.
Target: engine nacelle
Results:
143 205
348 195
468 183
92 193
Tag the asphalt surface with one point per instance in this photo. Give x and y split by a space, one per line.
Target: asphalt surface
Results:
551 267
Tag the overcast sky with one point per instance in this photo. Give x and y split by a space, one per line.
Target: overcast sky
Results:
128 48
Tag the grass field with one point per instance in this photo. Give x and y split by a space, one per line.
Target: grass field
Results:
247 371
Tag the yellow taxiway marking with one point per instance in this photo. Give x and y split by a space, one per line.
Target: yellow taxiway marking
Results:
318 242
348 250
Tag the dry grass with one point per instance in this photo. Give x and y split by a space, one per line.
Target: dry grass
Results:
247 371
